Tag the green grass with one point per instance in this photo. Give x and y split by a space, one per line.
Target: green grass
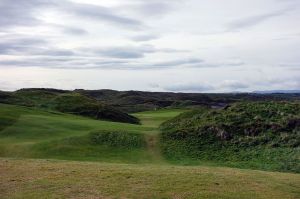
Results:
113 160
66 179
156 118
32 133
66 102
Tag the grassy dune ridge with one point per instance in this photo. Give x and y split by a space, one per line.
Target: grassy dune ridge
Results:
66 102
259 135
114 160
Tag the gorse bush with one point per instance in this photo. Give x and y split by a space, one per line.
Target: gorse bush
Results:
259 134
118 139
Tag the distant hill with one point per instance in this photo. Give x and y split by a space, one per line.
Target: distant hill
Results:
278 91
136 101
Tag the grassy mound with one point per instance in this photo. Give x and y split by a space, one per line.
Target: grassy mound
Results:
103 145
67 102
264 135
8 118
81 105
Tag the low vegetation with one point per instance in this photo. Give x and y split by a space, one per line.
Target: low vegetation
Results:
261 135
120 139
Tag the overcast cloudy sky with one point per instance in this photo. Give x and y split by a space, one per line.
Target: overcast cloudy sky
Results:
155 45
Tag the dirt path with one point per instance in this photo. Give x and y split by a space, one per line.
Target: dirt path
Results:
154 148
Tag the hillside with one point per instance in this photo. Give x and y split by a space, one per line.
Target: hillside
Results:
262 135
66 102
119 160
32 133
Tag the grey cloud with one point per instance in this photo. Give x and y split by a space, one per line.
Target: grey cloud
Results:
158 65
140 38
24 12
99 13
254 20
153 8
56 52
71 30
75 31
61 63
198 63
20 12
21 41
179 62
121 61
122 52
130 52
31 46
290 65
19 45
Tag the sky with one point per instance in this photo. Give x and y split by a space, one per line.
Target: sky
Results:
152 45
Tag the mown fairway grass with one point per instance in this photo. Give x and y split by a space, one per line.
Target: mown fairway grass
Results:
155 118
114 172
31 133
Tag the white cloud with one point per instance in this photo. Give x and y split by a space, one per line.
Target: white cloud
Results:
192 45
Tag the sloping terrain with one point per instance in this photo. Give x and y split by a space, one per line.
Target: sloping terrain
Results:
66 102
127 161
30 179
263 135
32 133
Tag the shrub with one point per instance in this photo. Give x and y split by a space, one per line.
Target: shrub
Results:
245 131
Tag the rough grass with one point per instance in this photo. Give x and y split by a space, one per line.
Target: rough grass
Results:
259 135
65 179
118 139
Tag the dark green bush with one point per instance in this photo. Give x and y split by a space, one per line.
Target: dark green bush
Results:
257 134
